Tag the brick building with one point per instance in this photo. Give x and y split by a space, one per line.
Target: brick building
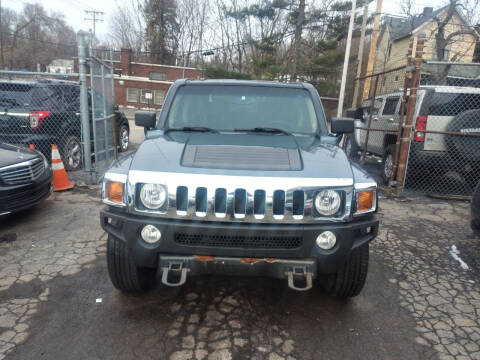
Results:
144 85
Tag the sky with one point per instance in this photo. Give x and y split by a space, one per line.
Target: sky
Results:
74 10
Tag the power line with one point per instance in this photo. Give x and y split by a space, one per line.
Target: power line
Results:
94 18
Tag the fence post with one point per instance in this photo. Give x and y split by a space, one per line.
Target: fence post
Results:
114 118
84 114
412 100
105 113
372 103
408 74
112 72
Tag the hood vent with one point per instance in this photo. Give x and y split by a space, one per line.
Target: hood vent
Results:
236 157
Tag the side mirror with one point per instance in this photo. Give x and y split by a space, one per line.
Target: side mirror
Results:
342 125
147 119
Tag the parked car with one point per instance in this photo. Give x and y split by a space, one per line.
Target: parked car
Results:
240 177
475 207
438 108
25 178
45 112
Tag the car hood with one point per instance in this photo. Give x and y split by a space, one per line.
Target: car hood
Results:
10 154
242 155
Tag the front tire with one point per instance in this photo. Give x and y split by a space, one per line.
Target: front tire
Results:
475 209
388 159
125 275
72 153
349 280
123 138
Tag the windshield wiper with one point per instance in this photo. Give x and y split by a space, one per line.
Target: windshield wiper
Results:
192 129
269 130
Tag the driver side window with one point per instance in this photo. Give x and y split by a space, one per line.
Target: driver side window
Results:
376 107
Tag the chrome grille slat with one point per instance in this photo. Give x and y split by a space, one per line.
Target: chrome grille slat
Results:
240 203
22 173
220 202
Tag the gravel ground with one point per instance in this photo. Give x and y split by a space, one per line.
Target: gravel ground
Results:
56 300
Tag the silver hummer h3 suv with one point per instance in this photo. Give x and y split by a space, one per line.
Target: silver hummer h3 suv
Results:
240 178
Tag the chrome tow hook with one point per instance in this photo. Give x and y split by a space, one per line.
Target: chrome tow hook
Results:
299 271
175 268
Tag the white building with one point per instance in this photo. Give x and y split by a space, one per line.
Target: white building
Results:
60 66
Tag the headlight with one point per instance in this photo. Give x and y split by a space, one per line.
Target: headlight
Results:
328 202
153 196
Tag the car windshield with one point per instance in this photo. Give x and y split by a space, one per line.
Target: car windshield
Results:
226 108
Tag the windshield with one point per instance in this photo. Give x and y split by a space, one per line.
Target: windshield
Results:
226 108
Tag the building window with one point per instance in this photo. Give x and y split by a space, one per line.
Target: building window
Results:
389 51
161 76
146 96
396 78
159 96
132 95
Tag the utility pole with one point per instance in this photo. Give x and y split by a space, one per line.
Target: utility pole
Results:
94 18
298 39
2 59
373 47
345 60
355 101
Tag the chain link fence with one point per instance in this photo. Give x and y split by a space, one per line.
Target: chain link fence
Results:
378 116
40 110
76 112
423 121
444 156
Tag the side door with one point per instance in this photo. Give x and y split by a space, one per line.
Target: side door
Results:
373 145
389 119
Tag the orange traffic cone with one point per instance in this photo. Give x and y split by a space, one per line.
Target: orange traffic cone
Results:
60 179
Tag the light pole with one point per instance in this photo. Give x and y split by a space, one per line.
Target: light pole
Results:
345 61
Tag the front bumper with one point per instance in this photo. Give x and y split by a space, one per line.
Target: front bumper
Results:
127 228
19 197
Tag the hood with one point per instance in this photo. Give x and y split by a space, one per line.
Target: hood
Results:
10 154
242 155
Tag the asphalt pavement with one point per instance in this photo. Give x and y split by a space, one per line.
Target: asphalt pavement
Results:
421 299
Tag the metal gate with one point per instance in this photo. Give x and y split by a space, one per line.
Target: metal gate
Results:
103 116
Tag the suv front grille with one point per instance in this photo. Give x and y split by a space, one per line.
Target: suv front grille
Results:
239 241
239 203
22 173
246 199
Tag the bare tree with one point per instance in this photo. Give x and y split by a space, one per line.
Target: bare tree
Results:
127 27
445 39
32 36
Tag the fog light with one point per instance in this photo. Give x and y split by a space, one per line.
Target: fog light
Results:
151 234
326 240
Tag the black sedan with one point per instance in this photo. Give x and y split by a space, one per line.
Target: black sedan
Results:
476 210
25 178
